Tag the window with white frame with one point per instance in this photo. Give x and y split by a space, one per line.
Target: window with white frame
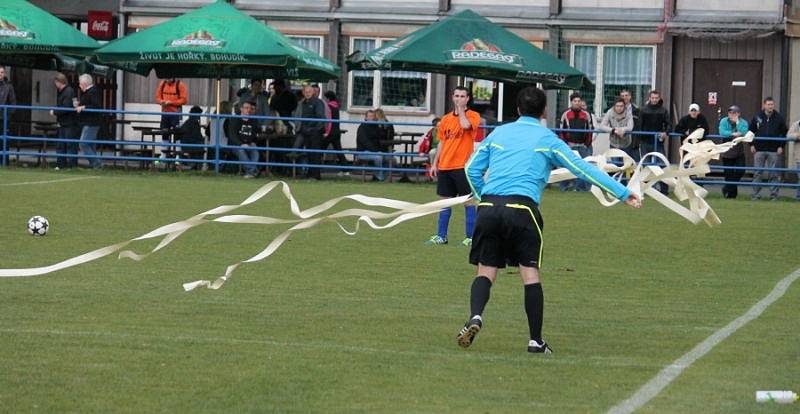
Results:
613 68
312 43
396 90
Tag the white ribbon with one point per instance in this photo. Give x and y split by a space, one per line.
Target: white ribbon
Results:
695 157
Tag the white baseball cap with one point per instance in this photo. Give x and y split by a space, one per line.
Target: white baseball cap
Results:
694 107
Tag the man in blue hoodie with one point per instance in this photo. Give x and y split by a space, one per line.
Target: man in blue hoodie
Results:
519 157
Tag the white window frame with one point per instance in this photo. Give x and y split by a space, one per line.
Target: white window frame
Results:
321 41
599 83
377 93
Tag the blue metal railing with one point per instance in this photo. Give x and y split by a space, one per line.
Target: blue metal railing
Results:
217 149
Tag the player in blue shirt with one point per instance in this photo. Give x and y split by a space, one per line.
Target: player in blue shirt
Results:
519 157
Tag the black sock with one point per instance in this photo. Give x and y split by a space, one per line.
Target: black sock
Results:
481 287
534 307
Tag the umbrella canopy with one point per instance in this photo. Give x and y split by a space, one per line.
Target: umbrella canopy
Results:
54 61
33 38
215 41
470 45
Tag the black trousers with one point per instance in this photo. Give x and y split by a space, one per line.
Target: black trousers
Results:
335 140
732 190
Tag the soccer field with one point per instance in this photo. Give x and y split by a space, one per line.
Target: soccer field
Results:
333 323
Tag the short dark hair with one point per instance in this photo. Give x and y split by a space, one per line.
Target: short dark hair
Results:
252 81
251 102
436 121
315 85
461 88
531 101
575 95
330 95
655 92
767 99
618 100
278 83
196 110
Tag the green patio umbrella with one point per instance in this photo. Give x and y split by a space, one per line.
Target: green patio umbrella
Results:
216 41
468 44
33 38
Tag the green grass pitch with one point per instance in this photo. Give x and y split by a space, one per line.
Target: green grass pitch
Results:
367 324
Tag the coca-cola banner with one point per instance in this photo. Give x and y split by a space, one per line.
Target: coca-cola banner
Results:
100 25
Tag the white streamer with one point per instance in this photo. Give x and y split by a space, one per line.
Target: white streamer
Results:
695 157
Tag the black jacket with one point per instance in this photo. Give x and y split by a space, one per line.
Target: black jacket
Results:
7 96
368 138
655 118
768 126
64 100
190 132
91 99
242 131
687 125
284 103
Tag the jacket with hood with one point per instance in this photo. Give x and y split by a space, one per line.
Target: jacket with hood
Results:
621 123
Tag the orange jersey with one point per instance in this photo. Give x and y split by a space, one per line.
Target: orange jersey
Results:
455 142
174 93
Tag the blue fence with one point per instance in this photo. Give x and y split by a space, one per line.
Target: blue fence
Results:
216 155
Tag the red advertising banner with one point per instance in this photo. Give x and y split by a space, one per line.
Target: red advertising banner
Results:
100 25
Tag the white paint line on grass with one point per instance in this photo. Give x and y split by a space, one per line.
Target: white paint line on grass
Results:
670 372
61 180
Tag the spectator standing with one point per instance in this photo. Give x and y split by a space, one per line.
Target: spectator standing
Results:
794 134
619 123
89 121
654 118
242 133
429 144
368 138
691 122
733 126
766 154
626 96
171 95
7 95
457 131
309 133
256 94
581 142
333 130
68 127
283 101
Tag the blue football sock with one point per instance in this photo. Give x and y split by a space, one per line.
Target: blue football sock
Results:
470 221
444 221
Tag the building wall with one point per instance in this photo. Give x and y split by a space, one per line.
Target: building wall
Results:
686 50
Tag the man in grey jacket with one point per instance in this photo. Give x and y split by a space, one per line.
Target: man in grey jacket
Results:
309 133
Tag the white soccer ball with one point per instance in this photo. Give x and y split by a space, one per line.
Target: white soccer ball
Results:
38 225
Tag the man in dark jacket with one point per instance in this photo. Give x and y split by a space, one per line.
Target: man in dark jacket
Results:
282 101
89 121
766 153
309 133
68 127
654 118
368 138
190 132
691 122
7 96
242 133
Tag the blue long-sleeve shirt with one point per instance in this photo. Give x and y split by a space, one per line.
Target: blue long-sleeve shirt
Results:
519 157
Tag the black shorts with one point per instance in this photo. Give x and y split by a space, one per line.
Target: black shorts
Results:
508 232
453 183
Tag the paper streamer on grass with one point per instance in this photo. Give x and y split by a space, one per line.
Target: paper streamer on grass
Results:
308 218
695 156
